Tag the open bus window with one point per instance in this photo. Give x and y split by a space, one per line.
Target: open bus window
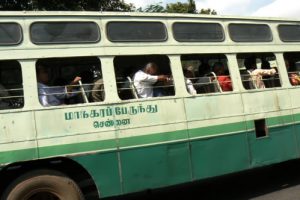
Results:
11 85
258 70
134 80
261 129
63 81
206 73
292 63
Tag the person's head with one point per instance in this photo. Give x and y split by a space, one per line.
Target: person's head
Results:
188 73
42 74
250 63
151 68
265 64
219 68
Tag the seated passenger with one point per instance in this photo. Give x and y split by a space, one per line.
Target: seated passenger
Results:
145 79
3 94
98 91
52 96
224 80
292 73
189 84
257 74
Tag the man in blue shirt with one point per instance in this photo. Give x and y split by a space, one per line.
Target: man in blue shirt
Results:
53 96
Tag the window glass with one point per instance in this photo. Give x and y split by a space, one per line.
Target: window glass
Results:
63 81
289 33
10 33
11 85
64 32
250 33
198 32
136 32
206 73
292 63
143 76
258 70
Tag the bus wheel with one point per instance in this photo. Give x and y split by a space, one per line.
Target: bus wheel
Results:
43 185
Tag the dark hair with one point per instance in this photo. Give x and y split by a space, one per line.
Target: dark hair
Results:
250 62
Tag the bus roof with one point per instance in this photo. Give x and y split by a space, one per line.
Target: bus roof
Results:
140 14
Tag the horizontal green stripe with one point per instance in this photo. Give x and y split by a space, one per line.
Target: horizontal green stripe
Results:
17 155
77 148
218 129
154 138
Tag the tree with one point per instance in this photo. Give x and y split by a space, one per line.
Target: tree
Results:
189 7
208 11
178 7
158 8
66 5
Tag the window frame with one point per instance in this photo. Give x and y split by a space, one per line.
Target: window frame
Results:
20 38
69 42
197 40
139 40
271 39
288 40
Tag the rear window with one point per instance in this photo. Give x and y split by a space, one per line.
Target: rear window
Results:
250 33
289 33
64 32
10 34
136 32
198 32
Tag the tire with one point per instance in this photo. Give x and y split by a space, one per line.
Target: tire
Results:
43 185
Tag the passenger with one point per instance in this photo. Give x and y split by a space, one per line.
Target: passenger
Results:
145 79
3 100
189 84
52 96
98 91
292 73
224 80
203 81
257 74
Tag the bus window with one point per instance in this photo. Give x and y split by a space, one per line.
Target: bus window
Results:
143 76
10 34
250 32
258 70
64 81
11 85
206 73
292 63
64 32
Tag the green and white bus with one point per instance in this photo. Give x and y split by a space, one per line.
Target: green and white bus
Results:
89 147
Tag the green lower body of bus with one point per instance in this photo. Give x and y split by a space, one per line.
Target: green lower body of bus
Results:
163 159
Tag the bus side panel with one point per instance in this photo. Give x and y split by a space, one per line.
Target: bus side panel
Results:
219 155
156 166
280 145
154 147
280 142
17 137
103 168
217 133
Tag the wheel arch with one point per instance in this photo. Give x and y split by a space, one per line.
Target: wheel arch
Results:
65 165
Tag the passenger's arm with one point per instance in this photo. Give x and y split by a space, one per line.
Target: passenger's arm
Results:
74 82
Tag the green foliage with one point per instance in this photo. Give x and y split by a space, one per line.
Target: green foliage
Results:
158 8
66 5
208 11
178 7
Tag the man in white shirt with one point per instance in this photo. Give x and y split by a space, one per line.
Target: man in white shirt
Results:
146 78
52 96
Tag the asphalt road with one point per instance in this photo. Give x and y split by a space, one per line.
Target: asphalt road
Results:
277 182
